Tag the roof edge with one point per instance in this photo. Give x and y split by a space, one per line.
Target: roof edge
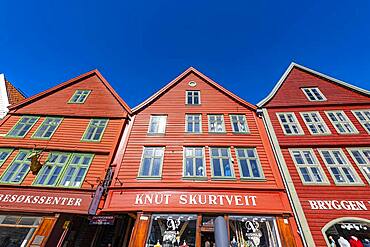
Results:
178 78
289 69
70 82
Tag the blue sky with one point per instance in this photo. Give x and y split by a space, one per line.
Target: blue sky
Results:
139 46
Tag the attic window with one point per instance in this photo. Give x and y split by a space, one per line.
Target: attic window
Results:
192 83
79 97
313 94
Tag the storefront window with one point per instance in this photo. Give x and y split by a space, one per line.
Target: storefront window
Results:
170 230
351 232
252 231
17 230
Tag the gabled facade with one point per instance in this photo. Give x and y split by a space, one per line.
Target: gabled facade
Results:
9 95
319 127
194 151
72 131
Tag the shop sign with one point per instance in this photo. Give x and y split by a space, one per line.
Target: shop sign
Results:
44 200
339 205
192 200
101 220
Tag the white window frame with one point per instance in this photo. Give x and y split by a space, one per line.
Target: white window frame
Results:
361 167
192 99
157 131
248 159
317 165
194 165
223 123
347 165
245 123
363 122
222 177
139 176
296 122
311 90
347 120
200 123
315 124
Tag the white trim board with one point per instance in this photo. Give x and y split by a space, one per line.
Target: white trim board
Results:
289 69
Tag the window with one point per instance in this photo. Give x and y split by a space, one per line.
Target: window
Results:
315 123
249 164
194 164
314 94
216 123
4 154
79 97
47 128
339 167
172 230
151 162
157 124
363 116
95 130
341 122
362 158
18 169
221 163
51 170
308 167
239 123
76 170
289 123
17 230
193 97
23 126
193 123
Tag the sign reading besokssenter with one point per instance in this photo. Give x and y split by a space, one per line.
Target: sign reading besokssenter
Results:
45 200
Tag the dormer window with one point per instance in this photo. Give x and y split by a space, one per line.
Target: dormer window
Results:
313 94
193 97
79 97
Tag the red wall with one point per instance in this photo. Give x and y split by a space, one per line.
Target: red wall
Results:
290 98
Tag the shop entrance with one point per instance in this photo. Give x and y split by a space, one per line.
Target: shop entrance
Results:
207 239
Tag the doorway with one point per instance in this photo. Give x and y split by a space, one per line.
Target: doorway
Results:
207 239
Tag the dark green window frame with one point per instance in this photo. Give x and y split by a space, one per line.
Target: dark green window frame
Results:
47 128
4 154
51 171
75 171
22 127
95 130
17 169
79 97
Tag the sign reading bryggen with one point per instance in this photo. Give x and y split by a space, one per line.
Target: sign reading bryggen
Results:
44 200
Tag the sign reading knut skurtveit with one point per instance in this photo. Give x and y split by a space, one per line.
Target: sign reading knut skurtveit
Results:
193 200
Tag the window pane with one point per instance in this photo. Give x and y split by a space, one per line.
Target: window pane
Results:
216 167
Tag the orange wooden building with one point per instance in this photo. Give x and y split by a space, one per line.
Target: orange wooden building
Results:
72 131
320 130
194 151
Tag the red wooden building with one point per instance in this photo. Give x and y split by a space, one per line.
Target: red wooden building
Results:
72 131
319 127
194 151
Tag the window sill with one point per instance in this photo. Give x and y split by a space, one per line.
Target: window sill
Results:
201 179
241 133
148 178
253 179
217 133
155 134
223 178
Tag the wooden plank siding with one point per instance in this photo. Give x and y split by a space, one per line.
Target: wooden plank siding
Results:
291 95
102 102
290 98
67 136
172 104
